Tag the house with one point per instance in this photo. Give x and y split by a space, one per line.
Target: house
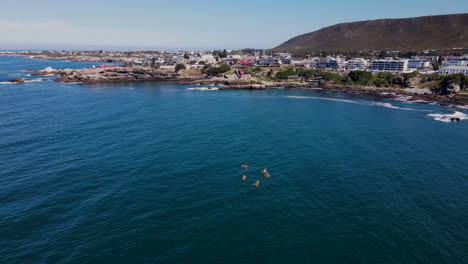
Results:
245 63
294 78
268 62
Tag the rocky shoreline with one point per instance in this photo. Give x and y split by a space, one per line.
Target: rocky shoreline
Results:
422 95
232 82
109 75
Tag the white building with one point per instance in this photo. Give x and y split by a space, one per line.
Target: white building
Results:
426 58
330 63
208 58
455 61
454 70
390 65
418 64
357 64
287 61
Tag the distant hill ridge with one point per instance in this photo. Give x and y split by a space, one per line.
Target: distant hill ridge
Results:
428 32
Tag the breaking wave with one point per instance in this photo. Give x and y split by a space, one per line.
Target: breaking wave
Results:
202 89
455 117
387 105
403 98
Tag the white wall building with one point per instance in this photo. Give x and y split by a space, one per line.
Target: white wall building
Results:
330 63
455 61
390 65
418 64
426 58
357 64
454 70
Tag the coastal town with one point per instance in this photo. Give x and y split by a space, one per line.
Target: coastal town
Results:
423 75
389 61
279 132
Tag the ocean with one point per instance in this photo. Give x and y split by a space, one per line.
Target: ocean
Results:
151 173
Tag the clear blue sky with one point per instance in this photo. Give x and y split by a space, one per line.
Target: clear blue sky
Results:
190 23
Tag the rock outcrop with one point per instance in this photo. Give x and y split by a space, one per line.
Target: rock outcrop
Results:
116 74
47 71
17 80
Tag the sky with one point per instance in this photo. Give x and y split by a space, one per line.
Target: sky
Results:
189 24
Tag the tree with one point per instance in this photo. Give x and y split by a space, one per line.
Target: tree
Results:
385 79
383 54
179 67
435 66
361 77
285 74
270 73
218 70
223 54
186 56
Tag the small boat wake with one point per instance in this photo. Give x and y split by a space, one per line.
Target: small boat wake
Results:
203 89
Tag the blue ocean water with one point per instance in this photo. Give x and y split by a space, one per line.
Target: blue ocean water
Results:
150 173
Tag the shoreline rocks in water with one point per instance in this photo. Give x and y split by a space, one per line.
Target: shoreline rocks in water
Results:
231 82
46 72
17 80
115 74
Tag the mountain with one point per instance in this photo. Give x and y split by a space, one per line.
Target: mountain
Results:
429 32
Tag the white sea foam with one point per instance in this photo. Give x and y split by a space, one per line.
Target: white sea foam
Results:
202 89
25 81
298 97
402 98
449 117
15 74
461 106
423 102
35 80
387 105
